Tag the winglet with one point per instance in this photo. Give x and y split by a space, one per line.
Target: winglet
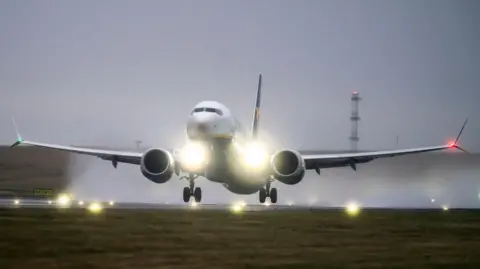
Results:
256 114
19 138
454 144
461 130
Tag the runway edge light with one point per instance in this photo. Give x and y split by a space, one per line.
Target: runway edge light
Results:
352 209
95 207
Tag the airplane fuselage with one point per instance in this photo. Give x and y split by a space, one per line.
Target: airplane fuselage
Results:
212 124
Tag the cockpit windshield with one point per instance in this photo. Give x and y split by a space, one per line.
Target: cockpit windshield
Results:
207 109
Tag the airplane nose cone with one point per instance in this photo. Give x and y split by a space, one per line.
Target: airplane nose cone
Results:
196 129
202 127
201 124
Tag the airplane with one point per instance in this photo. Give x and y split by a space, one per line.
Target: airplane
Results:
215 150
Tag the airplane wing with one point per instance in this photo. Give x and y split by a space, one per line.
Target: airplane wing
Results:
318 161
110 155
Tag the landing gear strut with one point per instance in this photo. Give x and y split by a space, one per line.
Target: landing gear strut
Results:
268 192
191 191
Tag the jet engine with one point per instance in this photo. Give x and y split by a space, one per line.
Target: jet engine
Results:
157 165
288 166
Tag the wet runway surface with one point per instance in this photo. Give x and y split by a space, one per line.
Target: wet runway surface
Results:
42 203
55 203
38 235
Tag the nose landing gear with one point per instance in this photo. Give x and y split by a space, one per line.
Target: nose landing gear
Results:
191 191
267 192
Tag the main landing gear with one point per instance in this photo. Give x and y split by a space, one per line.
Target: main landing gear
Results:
267 192
191 191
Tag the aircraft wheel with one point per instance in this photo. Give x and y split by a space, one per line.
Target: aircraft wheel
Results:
262 195
186 194
198 195
273 195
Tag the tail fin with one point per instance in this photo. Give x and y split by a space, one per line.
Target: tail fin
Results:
256 114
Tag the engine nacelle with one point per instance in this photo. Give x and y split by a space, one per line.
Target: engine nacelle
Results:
288 166
157 165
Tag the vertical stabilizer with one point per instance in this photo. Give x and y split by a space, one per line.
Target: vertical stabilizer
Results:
256 114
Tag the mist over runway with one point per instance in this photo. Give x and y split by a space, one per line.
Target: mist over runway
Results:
408 181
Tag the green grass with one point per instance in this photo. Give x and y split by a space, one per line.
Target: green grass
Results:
73 238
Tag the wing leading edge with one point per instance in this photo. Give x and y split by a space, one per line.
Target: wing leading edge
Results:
110 155
318 161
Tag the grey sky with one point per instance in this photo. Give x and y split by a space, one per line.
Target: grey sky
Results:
75 71
111 72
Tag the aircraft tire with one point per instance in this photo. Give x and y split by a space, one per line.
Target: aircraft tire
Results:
273 195
198 195
262 195
186 194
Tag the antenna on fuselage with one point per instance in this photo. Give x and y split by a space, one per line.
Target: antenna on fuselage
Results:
256 114
138 142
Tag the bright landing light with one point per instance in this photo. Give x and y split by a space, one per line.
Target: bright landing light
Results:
194 155
17 202
255 155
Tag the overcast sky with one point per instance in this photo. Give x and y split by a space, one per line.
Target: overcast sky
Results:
78 71
110 72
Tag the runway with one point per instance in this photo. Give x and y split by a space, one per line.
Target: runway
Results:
43 203
234 207
111 234
188 237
